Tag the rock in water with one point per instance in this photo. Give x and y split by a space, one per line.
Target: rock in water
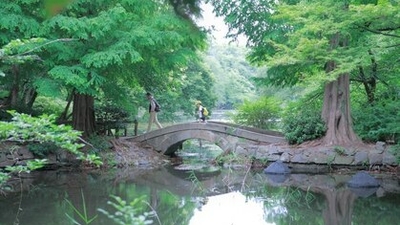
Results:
277 167
362 179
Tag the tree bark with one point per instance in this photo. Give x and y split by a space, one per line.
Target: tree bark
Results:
63 118
336 107
83 118
30 96
336 113
13 97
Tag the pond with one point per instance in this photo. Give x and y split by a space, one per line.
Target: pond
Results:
196 193
226 196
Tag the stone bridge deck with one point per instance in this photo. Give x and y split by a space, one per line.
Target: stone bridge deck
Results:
227 136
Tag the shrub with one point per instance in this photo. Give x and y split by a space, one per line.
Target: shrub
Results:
110 112
263 113
302 124
378 122
47 105
41 150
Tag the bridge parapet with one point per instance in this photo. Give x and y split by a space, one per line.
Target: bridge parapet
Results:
226 136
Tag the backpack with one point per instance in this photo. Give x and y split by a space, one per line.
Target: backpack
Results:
158 107
205 111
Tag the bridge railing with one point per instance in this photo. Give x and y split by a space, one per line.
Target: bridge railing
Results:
113 128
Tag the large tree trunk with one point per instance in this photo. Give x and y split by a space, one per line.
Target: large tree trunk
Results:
336 107
336 113
83 118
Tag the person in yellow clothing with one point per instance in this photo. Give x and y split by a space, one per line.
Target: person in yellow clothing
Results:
154 107
200 110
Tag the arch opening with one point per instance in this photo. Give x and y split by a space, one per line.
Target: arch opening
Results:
176 141
197 153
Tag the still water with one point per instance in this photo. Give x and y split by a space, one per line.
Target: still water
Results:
219 197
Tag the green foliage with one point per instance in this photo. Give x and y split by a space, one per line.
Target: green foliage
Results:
19 51
24 128
111 46
110 112
339 150
21 26
92 160
378 121
263 113
395 150
128 213
30 166
296 39
197 185
3 178
232 159
110 116
41 150
302 122
195 83
99 143
27 129
48 105
44 136
231 75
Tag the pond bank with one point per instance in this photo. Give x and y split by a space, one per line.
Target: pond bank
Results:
309 158
321 158
301 159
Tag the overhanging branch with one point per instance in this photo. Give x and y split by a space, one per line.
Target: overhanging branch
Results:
380 31
50 42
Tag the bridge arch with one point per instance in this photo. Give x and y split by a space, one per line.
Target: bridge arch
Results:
227 136
177 139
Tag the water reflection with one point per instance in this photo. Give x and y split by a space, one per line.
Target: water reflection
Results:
364 192
277 178
227 197
231 209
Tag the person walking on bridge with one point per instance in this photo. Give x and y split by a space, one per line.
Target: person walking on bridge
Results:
200 110
154 107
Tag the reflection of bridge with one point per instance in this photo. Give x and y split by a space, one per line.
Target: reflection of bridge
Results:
227 136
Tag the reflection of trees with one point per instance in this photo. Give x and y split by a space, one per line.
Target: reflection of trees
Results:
339 205
322 200
374 210
289 205
306 205
324 203
173 209
44 201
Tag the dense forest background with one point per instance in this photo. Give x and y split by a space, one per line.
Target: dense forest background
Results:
311 69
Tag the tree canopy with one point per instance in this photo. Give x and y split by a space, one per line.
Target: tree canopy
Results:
98 49
320 43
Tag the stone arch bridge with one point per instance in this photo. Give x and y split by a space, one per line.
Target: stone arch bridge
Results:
225 135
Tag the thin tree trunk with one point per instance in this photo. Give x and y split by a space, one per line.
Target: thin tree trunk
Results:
14 93
30 96
83 118
63 118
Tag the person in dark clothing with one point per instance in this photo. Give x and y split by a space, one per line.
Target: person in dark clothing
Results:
153 109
